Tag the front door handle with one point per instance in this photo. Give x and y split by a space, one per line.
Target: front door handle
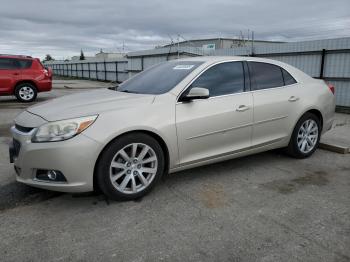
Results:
242 108
16 74
293 99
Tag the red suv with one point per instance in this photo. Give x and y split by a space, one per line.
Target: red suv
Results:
24 77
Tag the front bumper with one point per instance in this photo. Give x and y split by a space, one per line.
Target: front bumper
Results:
75 158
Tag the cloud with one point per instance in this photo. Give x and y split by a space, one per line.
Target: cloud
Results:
63 27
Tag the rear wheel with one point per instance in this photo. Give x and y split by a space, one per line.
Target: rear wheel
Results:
25 92
305 137
130 166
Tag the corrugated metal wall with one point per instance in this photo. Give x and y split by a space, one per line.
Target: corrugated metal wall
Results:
307 56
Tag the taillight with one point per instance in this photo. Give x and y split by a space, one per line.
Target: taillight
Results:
331 87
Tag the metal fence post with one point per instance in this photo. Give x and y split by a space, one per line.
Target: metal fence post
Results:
323 56
89 70
104 64
96 71
116 71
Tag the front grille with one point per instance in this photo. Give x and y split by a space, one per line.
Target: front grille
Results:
23 128
16 147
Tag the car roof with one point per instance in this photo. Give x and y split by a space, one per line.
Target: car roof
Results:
210 60
215 59
16 56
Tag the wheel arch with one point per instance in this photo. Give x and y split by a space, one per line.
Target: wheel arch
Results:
291 148
23 82
313 111
317 113
154 135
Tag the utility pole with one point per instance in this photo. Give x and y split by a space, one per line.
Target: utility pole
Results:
178 46
252 43
248 43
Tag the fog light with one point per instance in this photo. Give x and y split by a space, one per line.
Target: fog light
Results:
50 175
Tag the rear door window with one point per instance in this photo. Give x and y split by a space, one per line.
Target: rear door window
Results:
8 64
24 63
288 79
265 75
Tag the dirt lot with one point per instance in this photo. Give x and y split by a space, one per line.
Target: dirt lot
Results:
266 207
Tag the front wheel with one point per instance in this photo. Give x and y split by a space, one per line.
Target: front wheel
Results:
130 166
306 136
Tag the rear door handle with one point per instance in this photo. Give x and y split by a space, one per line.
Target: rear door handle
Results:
242 108
293 99
16 74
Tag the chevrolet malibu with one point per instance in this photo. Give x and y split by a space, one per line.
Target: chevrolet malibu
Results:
173 116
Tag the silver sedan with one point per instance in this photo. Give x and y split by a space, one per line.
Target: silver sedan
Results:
173 116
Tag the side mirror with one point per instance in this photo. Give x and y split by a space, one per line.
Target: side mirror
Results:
196 93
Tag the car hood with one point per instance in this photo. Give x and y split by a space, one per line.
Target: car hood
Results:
88 103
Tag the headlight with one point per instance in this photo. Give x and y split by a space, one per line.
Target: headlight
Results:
62 130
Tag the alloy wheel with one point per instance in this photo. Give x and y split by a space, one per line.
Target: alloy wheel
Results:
307 136
133 168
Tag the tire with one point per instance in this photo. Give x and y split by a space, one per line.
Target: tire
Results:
120 167
26 92
303 144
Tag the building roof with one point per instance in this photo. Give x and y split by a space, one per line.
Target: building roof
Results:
222 38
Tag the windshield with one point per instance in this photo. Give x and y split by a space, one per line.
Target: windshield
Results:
160 78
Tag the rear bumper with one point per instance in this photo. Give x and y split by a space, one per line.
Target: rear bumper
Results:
44 85
328 113
327 125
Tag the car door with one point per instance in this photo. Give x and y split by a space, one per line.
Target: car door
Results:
276 96
27 71
9 75
220 124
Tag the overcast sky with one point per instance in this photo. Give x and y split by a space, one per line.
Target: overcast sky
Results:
63 27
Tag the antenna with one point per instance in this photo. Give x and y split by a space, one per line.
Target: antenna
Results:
171 40
196 48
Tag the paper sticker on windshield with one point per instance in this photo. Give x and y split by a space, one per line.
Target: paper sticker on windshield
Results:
183 67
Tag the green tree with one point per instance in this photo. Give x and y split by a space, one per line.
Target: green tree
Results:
48 57
82 56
